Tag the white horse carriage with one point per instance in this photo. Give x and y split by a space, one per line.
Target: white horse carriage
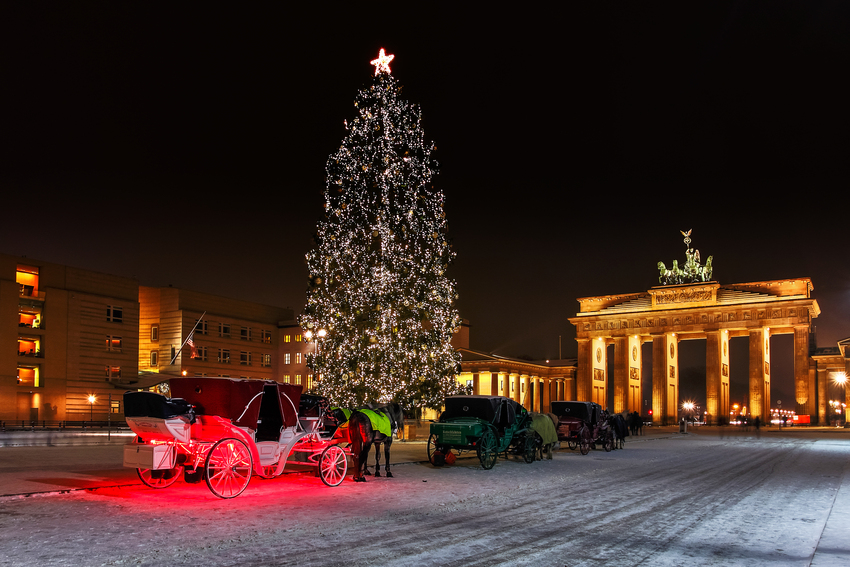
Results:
224 430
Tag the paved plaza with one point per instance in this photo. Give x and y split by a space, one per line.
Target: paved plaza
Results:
711 497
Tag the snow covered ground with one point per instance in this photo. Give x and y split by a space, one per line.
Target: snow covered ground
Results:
698 499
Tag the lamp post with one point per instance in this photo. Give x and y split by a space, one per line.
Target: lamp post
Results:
92 400
314 338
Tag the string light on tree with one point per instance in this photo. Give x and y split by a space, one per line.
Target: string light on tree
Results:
378 282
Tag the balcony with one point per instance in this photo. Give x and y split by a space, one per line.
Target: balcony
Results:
31 292
30 347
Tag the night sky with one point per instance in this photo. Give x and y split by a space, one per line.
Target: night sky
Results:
186 146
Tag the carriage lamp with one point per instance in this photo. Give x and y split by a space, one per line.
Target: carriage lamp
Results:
92 400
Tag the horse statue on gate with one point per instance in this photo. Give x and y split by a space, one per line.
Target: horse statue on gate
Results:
373 426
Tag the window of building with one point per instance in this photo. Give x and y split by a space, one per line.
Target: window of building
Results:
29 315
287 338
115 406
154 332
297 379
29 346
297 338
286 378
245 333
113 343
267 360
286 358
27 279
114 314
297 358
29 376
245 358
113 372
224 330
266 336
154 358
200 353
224 356
201 327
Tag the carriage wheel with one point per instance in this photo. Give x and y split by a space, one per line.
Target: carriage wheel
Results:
228 468
160 478
572 444
333 465
530 450
608 443
486 450
435 456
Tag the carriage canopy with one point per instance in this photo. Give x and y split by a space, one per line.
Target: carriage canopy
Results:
240 400
493 409
588 412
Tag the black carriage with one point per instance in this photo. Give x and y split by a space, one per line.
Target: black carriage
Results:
582 425
488 425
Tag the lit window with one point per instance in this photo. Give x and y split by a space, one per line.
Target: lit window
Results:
297 358
113 343
267 360
286 358
114 314
113 372
29 376
298 379
287 338
267 337
297 338
200 353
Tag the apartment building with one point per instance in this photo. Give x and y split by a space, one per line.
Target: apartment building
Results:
69 339
231 337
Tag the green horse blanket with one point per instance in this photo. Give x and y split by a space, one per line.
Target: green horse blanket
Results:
380 421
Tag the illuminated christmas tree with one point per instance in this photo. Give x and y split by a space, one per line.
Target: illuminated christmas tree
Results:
378 289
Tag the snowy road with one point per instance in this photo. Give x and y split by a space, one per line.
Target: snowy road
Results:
685 500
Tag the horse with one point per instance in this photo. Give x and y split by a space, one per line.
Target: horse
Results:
363 434
621 430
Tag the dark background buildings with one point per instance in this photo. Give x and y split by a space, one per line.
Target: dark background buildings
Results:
186 146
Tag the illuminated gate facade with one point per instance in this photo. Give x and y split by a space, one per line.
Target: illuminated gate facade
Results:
668 314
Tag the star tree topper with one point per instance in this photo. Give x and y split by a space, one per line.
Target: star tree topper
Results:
382 63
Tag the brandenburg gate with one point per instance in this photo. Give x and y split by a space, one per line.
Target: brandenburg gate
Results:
688 305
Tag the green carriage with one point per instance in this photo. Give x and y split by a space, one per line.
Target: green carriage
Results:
488 425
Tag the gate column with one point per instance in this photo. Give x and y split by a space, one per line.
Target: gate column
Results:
584 369
717 374
806 404
621 373
526 398
635 357
517 397
537 385
760 373
823 401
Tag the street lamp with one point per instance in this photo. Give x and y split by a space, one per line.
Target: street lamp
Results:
92 400
314 337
